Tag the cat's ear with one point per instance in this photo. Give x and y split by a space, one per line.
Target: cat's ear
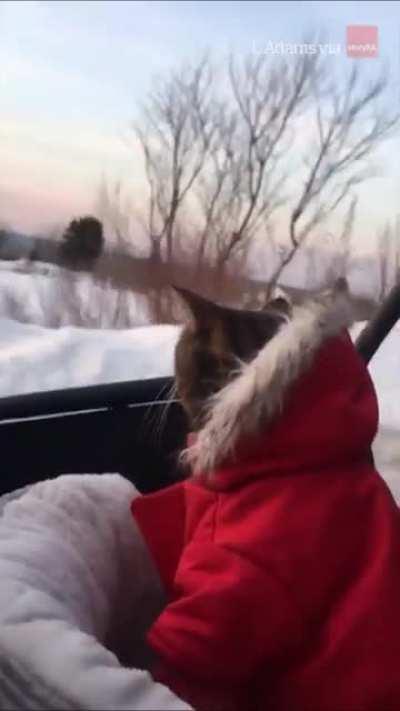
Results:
203 311
280 302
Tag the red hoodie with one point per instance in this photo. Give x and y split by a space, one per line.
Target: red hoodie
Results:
284 578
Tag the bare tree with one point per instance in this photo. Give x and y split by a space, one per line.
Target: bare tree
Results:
349 127
245 179
225 156
215 197
221 159
339 263
176 139
114 213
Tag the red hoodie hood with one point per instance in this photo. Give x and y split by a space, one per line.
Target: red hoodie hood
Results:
306 401
330 416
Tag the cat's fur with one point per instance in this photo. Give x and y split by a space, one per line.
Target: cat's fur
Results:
214 344
233 368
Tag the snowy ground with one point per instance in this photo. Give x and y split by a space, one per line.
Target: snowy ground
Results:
385 372
33 358
46 295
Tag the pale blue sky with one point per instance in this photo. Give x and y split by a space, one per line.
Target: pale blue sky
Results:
72 74
93 60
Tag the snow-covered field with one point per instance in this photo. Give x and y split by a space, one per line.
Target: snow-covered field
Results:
385 372
59 329
46 295
33 358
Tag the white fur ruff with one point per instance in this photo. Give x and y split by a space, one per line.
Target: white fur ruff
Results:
256 395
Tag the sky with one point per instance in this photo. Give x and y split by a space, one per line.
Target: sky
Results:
73 74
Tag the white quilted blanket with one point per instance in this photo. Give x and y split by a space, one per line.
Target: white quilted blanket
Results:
75 582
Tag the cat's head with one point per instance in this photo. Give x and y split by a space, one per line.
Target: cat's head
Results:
214 342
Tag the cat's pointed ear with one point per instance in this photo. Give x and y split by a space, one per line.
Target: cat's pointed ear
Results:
203 311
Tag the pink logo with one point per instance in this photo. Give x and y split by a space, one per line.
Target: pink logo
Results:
362 41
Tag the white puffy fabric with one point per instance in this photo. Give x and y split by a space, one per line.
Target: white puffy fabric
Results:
77 591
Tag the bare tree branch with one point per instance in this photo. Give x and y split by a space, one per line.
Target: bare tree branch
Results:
346 137
176 140
241 192
219 157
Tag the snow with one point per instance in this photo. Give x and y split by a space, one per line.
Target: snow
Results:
33 358
47 295
385 373
43 345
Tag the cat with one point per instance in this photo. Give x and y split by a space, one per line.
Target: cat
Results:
213 344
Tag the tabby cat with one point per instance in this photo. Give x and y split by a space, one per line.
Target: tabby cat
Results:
214 343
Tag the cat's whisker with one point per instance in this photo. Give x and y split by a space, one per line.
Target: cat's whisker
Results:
160 415
151 418
165 409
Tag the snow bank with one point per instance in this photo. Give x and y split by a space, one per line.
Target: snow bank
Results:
33 358
385 373
47 295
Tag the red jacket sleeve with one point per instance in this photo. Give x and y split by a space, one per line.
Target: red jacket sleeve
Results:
228 617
